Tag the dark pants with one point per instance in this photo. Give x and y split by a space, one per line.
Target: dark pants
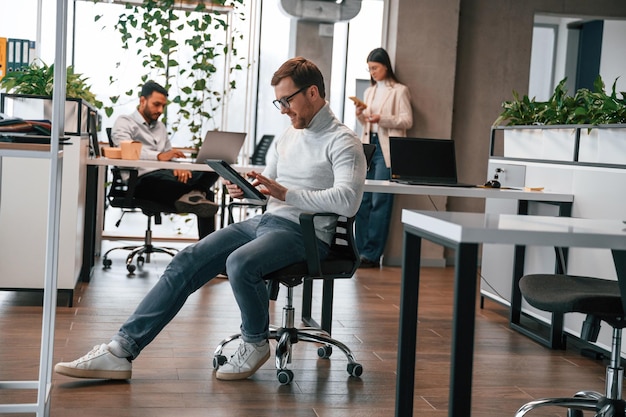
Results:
163 187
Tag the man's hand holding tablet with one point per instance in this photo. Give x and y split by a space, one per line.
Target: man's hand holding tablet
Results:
238 186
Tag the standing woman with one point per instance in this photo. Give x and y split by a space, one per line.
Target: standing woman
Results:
387 112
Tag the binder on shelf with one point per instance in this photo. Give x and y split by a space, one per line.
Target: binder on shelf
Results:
3 57
18 52
25 45
10 55
32 52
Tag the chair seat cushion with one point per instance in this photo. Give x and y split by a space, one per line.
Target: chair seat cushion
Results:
148 207
569 293
292 275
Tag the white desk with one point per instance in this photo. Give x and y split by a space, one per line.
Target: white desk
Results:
520 200
390 187
464 232
141 163
561 200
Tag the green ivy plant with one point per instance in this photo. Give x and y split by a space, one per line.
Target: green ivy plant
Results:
585 107
149 27
38 79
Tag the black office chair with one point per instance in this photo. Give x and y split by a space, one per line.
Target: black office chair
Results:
342 262
257 158
121 195
260 150
600 300
369 150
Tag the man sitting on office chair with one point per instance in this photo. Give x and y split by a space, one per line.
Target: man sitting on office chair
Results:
317 165
185 191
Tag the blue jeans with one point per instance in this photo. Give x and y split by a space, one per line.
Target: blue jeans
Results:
374 215
246 250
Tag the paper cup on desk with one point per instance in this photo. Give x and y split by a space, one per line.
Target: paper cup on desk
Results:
131 149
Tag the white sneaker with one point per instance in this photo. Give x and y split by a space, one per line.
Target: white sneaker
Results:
245 362
197 203
100 363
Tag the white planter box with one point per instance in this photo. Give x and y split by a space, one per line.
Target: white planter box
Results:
545 144
606 146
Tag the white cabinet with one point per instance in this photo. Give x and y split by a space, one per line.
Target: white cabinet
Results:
24 218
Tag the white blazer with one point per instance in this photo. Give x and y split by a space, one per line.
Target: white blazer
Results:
396 116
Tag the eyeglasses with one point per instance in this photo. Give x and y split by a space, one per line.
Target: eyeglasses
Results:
284 102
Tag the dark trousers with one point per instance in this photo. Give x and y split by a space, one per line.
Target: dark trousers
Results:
163 187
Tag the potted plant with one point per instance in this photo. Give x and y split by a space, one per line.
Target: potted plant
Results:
548 130
190 65
31 90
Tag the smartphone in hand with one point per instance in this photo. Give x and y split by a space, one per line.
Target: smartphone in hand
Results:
358 102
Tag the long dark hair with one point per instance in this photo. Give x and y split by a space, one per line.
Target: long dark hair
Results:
382 57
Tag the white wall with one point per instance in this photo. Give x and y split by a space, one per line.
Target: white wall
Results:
612 61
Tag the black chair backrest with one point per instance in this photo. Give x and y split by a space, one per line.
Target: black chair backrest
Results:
110 136
94 146
369 150
121 192
343 259
260 150
341 262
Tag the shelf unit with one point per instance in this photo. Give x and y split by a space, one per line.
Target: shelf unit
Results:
43 385
53 152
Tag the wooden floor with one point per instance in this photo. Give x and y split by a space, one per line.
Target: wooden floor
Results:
174 375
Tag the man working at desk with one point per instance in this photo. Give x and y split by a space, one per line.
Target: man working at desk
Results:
183 190
317 165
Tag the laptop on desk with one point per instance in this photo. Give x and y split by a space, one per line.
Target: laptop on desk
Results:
218 145
420 161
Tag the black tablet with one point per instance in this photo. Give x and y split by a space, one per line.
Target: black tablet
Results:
226 171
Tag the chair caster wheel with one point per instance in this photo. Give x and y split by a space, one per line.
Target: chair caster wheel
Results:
140 261
574 413
219 360
285 376
355 369
325 351
131 269
106 263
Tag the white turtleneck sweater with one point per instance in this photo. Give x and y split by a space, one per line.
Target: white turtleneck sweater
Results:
322 166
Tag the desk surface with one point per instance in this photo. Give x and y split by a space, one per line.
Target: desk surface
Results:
385 186
27 150
518 229
379 186
142 163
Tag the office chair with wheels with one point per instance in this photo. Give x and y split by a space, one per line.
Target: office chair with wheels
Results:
341 262
600 299
257 158
121 195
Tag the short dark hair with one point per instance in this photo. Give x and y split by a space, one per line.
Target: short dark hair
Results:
303 73
150 87
382 57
